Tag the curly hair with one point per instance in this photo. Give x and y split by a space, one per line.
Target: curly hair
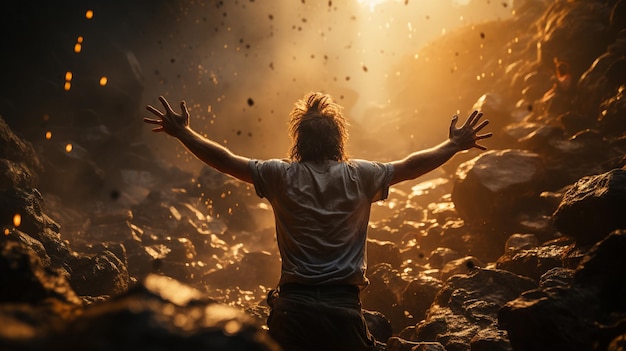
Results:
318 129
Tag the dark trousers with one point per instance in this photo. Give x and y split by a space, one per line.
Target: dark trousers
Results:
328 317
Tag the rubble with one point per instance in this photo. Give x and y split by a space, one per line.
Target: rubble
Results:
517 248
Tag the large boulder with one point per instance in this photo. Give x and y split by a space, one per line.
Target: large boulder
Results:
533 262
580 311
489 187
35 300
464 313
593 207
162 314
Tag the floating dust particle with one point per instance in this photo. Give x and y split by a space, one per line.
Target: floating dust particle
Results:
250 102
482 35
17 219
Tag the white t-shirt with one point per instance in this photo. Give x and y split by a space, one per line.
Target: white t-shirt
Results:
322 212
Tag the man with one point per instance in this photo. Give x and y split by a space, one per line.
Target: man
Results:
321 201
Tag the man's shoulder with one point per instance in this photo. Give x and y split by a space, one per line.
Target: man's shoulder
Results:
360 163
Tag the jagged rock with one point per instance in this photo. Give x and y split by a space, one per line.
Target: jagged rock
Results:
15 175
25 279
383 294
463 265
599 81
593 207
556 277
468 304
489 187
428 191
36 299
35 245
582 313
399 344
490 339
254 269
585 23
100 274
378 325
442 255
383 252
162 314
28 205
17 150
520 242
418 295
611 121
532 262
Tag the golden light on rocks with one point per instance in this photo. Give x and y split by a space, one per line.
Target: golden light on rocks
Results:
68 148
17 219
89 14
103 81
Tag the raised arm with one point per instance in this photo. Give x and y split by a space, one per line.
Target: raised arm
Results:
210 152
463 138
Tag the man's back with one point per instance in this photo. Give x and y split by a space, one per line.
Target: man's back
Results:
321 211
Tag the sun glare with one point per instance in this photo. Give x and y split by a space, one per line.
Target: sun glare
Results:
371 4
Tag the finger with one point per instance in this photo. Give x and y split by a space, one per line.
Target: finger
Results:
484 136
183 108
166 104
152 121
480 147
157 129
482 125
154 110
455 119
471 119
477 115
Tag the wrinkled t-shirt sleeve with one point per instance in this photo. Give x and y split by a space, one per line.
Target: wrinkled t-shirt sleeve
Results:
380 175
265 176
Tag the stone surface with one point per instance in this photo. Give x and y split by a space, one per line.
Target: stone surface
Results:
593 207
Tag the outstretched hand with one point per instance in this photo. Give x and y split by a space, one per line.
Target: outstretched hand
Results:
466 136
169 121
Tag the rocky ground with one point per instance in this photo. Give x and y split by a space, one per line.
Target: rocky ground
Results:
517 248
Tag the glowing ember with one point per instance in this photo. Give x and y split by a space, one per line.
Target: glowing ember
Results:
78 46
68 148
17 220
6 231
67 86
89 14
103 81
48 135
68 76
